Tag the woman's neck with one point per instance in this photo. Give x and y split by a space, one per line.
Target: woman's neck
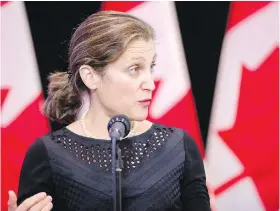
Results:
95 122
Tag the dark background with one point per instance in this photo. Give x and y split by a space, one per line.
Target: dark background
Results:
202 26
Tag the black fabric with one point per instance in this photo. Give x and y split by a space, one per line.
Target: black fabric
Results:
163 170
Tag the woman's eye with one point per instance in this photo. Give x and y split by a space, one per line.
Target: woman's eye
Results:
134 70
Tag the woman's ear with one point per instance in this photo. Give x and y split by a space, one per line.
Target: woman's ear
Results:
89 76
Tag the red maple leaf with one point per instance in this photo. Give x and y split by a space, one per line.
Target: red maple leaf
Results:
254 136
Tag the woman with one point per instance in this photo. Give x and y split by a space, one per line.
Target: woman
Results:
111 58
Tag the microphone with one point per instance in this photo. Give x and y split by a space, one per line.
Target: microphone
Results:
118 127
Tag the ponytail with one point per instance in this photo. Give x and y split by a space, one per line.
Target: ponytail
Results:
63 101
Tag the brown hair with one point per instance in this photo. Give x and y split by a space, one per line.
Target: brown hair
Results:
98 41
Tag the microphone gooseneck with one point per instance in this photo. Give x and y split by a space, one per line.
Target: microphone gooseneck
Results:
118 128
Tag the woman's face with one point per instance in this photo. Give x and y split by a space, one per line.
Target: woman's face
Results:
127 86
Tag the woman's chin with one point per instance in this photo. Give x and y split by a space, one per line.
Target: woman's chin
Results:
139 116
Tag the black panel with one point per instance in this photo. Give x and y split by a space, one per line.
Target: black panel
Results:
202 26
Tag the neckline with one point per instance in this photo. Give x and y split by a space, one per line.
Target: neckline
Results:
107 141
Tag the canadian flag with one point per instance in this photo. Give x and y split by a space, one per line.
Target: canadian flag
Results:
172 103
242 148
21 120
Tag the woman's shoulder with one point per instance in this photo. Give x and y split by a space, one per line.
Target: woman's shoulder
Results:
39 147
46 139
174 131
177 134
50 135
47 146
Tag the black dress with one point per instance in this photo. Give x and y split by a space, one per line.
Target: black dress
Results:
163 170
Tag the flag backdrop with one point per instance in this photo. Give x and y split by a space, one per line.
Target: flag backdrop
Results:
243 143
21 95
244 117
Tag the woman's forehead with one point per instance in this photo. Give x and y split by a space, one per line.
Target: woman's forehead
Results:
137 51
140 50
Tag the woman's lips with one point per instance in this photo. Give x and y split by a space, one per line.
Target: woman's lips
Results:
146 102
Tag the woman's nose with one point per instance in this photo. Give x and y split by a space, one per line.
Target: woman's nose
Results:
148 82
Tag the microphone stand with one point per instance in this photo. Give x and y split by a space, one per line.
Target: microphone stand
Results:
117 166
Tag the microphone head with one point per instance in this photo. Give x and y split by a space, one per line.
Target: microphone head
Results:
119 124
